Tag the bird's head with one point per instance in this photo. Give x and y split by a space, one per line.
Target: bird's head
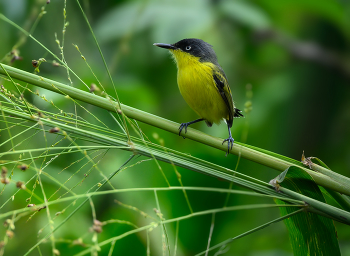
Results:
189 48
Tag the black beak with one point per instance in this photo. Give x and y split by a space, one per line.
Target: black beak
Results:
166 46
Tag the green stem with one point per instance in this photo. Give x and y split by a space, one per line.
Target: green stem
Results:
342 200
332 211
345 181
128 190
259 156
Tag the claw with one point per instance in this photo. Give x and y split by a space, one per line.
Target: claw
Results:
183 125
230 141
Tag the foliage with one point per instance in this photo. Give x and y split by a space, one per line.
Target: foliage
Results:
286 61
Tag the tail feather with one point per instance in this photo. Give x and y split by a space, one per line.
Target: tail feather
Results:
209 124
238 113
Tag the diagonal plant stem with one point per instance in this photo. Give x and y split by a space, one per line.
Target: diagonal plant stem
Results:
179 159
169 156
260 156
128 190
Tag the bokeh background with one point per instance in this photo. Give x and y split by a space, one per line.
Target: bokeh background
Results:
290 59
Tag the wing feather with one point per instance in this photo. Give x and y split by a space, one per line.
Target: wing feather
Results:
225 92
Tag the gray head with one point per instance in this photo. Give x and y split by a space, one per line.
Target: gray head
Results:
195 47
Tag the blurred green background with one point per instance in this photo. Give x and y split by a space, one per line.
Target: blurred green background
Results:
291 59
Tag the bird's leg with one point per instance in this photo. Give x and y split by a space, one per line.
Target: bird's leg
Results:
185 125
229 140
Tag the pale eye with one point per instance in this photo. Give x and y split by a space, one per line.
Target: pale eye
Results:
188 48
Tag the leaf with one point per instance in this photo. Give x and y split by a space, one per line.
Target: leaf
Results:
309 233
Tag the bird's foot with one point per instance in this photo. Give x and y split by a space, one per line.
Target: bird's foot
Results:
230 141
184 125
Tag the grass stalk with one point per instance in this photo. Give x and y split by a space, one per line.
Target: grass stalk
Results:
260 156
128 190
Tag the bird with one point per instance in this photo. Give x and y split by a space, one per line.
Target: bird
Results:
203 84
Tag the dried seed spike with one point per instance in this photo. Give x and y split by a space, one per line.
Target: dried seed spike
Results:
23 167
3 171
5 180
20 185
10 233
54 130
93 87
97 222
35 63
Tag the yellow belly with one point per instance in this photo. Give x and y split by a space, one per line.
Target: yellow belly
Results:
198 88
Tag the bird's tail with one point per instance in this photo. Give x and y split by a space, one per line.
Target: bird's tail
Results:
209 124
238 113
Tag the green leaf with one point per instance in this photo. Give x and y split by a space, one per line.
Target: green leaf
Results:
309 233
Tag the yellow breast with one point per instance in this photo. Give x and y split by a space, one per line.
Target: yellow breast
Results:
197 86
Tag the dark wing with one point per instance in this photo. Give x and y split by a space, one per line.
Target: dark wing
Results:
225 92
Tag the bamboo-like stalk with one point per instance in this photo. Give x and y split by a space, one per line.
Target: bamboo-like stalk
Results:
243 150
